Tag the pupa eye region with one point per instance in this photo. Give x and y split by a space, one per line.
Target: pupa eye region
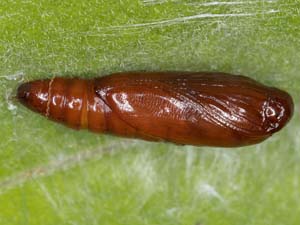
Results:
193 108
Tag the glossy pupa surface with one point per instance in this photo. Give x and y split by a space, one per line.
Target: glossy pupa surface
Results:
195 108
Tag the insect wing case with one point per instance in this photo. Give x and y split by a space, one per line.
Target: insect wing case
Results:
213 109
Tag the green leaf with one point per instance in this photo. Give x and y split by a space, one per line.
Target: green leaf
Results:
50 174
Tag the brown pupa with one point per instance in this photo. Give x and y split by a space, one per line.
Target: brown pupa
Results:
194 108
